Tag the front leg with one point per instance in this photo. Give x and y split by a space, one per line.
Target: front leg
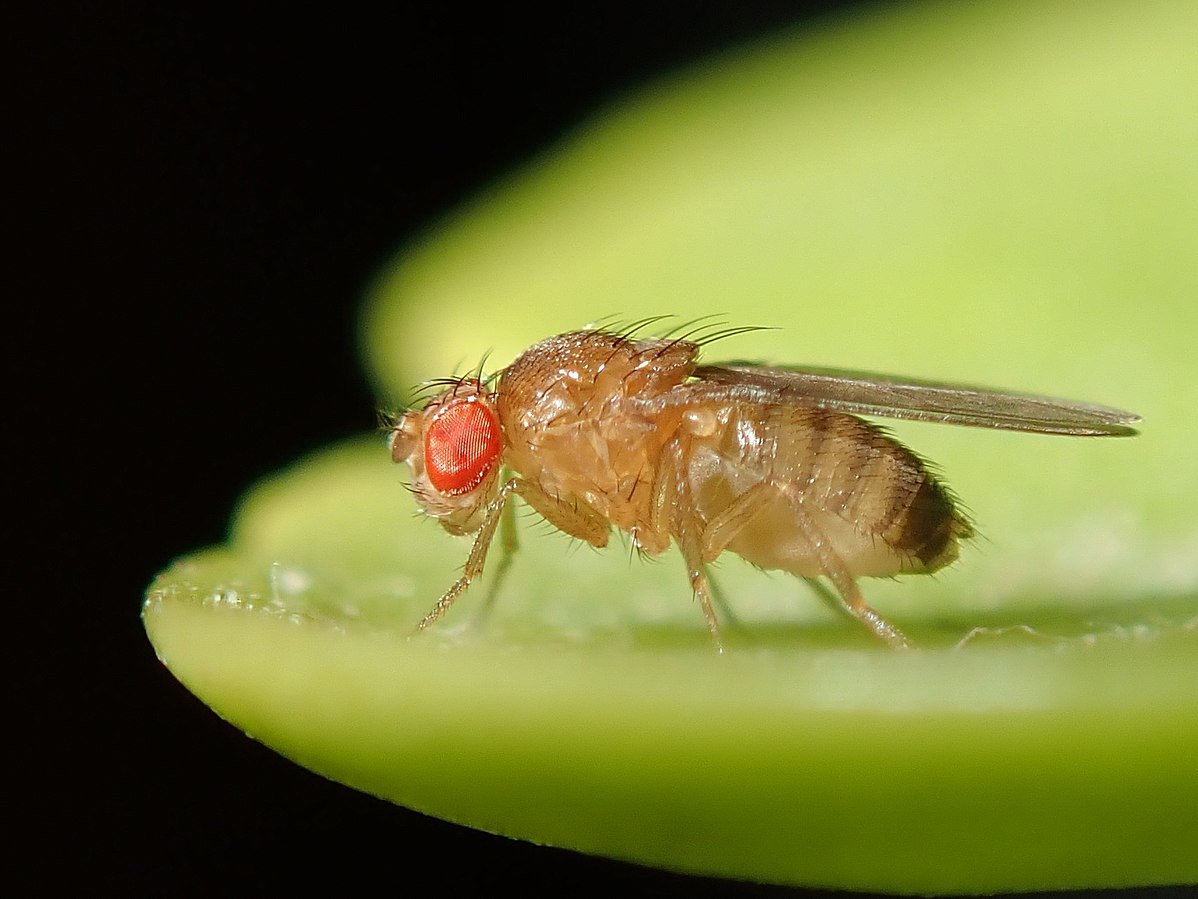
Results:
478 553
834 569
574 517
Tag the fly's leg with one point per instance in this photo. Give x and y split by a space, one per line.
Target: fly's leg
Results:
703 544
478 554
697 572
509 542
824 592
576 519
724 527
731 520
719 599
851 594
835 571
688 532
572 516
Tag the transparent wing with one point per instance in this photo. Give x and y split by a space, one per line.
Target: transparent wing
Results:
866 393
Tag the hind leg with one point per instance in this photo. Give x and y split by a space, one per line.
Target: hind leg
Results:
723 528
846 587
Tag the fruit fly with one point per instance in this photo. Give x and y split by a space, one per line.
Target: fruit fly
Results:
596 428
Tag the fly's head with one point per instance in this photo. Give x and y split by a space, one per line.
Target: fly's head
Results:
454 447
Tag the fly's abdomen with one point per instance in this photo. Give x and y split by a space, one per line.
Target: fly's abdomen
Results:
828 477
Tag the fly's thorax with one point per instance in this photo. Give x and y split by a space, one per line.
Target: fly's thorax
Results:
573 416
454 448
581 375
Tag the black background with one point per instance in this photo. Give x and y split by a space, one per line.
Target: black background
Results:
201 198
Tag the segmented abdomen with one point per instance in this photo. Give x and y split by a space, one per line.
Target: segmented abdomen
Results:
869 497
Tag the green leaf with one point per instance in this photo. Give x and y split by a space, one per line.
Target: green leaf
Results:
996 193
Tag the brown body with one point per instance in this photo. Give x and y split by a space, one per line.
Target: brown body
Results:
673 470
600 429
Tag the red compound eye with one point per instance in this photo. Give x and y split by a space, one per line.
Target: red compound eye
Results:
461 445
